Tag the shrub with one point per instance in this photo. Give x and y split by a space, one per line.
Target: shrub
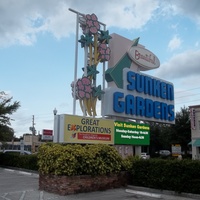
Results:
19 161
176 175
101 159
74 159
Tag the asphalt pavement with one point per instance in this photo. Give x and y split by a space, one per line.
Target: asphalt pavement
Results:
23 185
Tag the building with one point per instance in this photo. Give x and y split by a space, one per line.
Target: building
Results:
195 131
30 142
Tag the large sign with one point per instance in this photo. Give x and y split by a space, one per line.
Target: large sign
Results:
132 94
87 130
144 98
131 133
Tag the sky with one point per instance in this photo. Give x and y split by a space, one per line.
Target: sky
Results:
37 50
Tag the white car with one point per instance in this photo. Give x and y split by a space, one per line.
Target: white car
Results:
16 151
144 156
164 153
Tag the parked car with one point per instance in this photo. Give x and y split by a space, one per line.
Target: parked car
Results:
164 153
16 152
144 155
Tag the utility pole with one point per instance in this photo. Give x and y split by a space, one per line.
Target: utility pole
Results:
32 128
33 124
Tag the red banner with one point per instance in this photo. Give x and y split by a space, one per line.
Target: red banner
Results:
47 132
89 136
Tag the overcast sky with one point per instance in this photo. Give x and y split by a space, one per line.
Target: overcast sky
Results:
37 40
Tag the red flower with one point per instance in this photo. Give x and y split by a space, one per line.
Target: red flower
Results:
83 88
104 52
92 23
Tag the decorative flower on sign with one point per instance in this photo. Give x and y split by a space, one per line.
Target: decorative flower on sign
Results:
83 87
104 52
86 40
95 43
92 23
104 37
97 92
92 71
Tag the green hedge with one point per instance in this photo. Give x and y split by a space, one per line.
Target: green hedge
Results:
175 175
19 161
75 159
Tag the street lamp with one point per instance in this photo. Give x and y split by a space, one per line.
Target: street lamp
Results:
55 126
55 111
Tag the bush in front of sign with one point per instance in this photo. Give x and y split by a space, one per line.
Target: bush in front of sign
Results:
101 159
56 159
76 159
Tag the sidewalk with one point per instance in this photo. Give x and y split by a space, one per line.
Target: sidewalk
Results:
23 185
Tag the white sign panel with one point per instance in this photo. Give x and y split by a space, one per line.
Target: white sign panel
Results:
47 134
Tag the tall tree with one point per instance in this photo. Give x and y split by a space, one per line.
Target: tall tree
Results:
162 136
181 129
159 137
7 108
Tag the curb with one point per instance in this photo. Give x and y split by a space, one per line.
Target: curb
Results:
151 191
148 194
19 171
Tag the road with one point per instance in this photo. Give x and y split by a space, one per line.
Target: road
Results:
20 185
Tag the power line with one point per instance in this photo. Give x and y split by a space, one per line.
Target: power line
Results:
188 90
185 102
187 96
188 101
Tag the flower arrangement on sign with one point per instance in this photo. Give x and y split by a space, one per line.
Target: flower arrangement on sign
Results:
95 42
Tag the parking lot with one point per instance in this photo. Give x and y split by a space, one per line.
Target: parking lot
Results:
21 185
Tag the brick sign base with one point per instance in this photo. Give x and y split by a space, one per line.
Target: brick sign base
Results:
64 185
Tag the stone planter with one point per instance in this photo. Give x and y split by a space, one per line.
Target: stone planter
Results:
64 185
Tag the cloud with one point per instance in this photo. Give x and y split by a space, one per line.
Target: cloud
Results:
189 8
182 65
21 22
174 43
129 14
